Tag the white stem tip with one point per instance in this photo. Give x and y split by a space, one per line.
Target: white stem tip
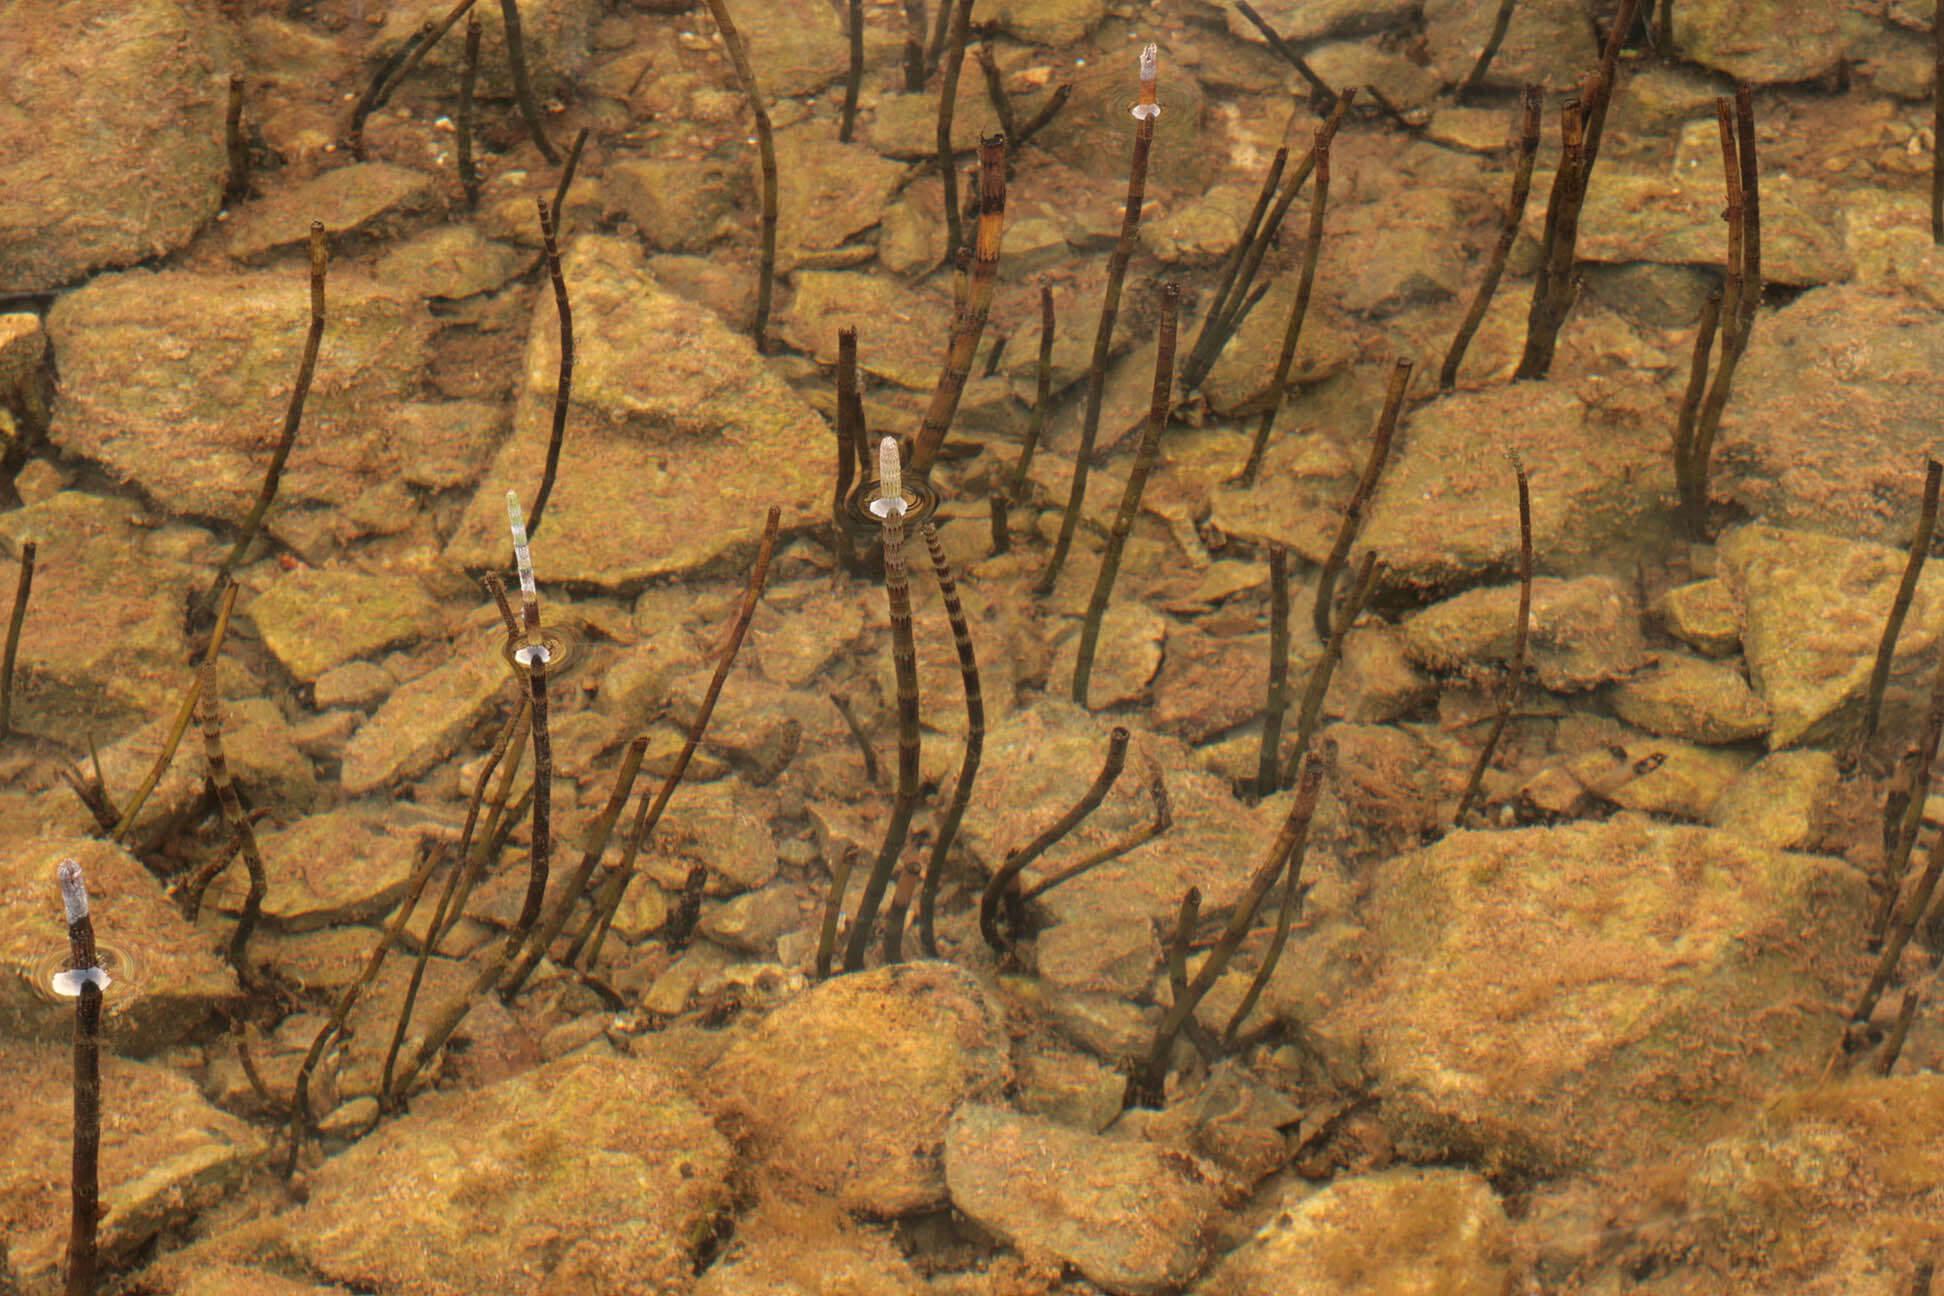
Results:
74 890
890 501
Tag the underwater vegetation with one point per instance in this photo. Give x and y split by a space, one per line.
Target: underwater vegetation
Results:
854 647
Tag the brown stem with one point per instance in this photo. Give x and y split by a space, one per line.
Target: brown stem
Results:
564 381
468 81
1298 311
1501 21
1521 631
1130 505
969 324
854 77
1278 703
974 742
522 85
1515 206
14 622
239 825
766 154
1380 444
1004 881
293 412
947 107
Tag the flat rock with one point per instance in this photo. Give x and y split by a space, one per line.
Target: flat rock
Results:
1829 1190
870 1136
363 199
1130 1215
449 262
178 381
1676 220
1447 508
901 334
828 191
1683 696
1761 41
1815 607
166 1155
111 134
343 866
905 126
678 204
1786 800
1399 1233
798 1248
316 618
797 46
1554 997
1583 632
1703 614
168 978
707 431
98 653
1548 41
593 1174
1833 412
422 723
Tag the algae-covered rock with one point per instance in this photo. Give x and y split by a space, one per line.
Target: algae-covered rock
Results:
1676 220
1785 800
97 652
364 198
901 333
1130 1215
1703 614
343 866
1760 40
422 723
553 34
1815 611
1547 41
678 436
1833 1190
1400 1233
1582 632
1447 509
1681 696
111 133
178 382
1556 997
849 1088
1833 413
315 618
592 1174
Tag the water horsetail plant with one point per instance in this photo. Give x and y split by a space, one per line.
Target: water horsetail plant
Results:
1501 23
1146 109
1352 520
1305 281
522 84
961 11
854 76
1130 504
968 326
1521 636
184 712
1515 205
293 412
83 981
1904 812
242 834
463 118
303 1122
914 46
1937 130
890 507
1003 886
236 145
586 946
974 742
1268 754
564 381
1311 712
533 657
766 157
1147 1082
405 61
1920 543
1582 124
1741 295
14 622
1236 295
1014 492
